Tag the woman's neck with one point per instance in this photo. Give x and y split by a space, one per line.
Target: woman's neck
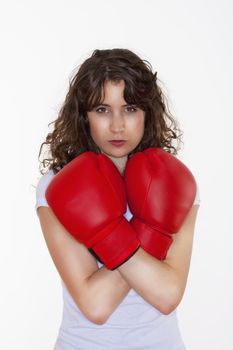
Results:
120 163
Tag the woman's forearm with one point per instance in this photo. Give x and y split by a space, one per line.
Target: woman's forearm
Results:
106 289
153 279
162 283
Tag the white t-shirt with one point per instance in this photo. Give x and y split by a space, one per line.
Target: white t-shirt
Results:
135 324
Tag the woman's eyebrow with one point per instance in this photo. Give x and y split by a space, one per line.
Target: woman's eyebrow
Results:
106 105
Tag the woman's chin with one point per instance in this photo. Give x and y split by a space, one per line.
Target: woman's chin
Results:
116 154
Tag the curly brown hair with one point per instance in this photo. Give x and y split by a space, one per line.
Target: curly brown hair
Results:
71 135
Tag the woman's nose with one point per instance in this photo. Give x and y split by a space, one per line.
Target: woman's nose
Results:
117 123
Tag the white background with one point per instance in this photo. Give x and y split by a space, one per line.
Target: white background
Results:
189 43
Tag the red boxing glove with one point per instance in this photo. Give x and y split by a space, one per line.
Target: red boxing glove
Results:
161 191
88 197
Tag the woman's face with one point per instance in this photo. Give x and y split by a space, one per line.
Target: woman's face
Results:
116 128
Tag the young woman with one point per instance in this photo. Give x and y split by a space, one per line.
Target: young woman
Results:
113 159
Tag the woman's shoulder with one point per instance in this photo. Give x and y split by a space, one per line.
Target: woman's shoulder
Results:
197 200
41 187
46 178
44 181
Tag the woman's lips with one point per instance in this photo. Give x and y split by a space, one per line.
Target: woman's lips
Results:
117 143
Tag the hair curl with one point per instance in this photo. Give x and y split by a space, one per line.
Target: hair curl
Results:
71 135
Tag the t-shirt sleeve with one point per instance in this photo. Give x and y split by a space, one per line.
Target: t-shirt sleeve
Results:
197 199
41 188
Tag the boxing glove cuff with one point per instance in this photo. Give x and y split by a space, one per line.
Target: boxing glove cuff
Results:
118 246
152 240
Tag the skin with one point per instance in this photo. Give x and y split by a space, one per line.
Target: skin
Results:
98 291
116 121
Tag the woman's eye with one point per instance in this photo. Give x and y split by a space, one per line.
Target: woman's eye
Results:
131 109
101 110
